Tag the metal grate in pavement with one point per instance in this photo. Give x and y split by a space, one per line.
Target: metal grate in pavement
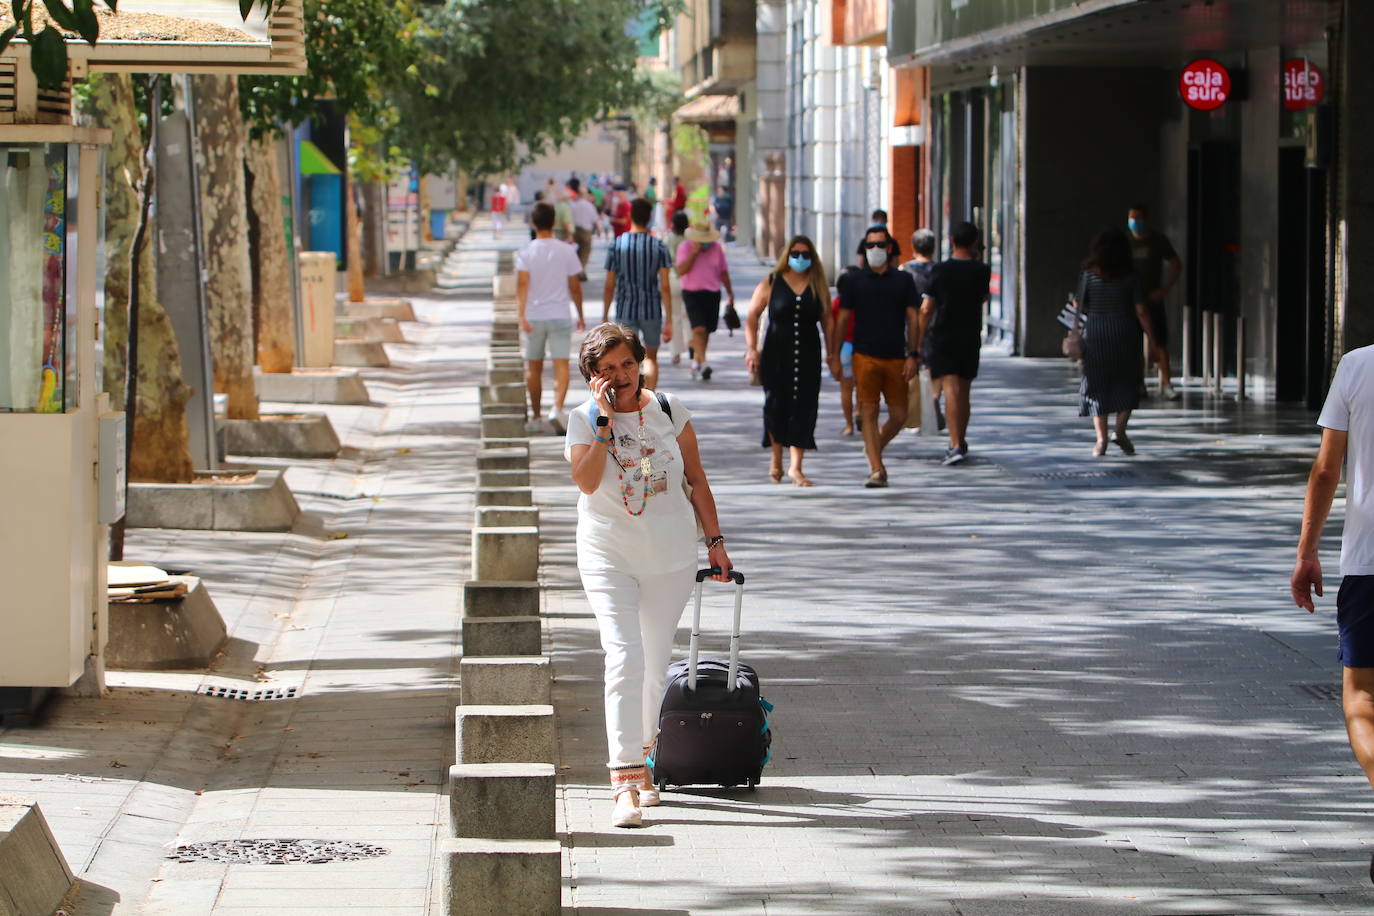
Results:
1103 474
277 852
250 693
1320 691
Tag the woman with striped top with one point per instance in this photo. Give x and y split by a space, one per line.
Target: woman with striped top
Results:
1113 302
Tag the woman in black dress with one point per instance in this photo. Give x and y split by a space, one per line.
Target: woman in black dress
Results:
795 296
1113 302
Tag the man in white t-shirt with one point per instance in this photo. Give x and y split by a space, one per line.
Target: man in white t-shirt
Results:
546 281
1347 421
584 217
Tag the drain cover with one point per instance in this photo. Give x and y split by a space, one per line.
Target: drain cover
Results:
277 852
1320 691
250 693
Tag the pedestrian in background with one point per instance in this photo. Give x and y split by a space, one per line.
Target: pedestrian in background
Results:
637 269
681 343
795 297
879 301
636 542
498 209
546 272
1113 304
1151 252
846 376
651 190
921 264
951 331
619 208
703 270
723 206
1347 422
678 201
584 217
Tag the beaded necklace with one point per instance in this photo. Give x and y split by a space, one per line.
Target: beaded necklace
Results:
645 467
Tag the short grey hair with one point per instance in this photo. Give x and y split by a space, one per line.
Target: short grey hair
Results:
923 242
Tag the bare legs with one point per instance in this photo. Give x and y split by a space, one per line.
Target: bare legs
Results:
794 467
847 403
650 368
1100 427
1357 700
876 438
699 341
956 391
534 384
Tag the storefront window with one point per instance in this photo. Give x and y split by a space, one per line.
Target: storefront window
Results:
34 297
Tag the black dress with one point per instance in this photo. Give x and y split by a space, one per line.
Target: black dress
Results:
1112 338
791 367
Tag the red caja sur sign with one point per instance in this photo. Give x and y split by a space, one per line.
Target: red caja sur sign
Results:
1204 85
1303 84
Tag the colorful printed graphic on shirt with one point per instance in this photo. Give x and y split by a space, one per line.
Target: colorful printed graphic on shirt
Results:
654 462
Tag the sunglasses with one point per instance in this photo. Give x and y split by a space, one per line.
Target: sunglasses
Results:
798 254
875 244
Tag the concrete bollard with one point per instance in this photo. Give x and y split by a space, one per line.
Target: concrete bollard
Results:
506 680
514 458
485 877
504 496
489 636
521 443
506 478
34 875
502 801
503 286
500 599
505 553
505 734
504 375
507 517
503 426
506 393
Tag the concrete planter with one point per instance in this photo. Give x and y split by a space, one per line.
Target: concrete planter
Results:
366 354
181 633
500 599
399 309
34 875
251 501
297 435
312 386
500 495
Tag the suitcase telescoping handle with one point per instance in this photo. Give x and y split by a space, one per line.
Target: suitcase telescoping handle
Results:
694 643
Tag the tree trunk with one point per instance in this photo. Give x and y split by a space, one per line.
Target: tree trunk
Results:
160 440
353 257
224 219
424 209
463 191
374 228
272 298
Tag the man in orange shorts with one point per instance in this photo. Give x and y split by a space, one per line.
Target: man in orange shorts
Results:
881 303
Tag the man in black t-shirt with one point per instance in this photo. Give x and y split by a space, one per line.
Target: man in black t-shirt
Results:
951 331
879 301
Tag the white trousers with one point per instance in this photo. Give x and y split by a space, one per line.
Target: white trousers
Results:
638 617
682 328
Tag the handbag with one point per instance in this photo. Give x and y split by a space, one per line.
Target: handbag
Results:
1074 346
731 317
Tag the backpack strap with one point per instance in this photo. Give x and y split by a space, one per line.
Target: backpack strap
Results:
663 405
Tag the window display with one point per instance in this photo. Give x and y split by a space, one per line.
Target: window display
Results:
33 278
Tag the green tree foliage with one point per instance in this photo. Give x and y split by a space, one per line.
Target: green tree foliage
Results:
496 74
359 52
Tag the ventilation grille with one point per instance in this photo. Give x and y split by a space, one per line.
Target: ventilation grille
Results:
22 101
55 105
250 693
8 92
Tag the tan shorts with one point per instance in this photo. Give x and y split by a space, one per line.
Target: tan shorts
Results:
874 377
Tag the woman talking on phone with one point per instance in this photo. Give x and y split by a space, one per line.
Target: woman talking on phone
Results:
631 451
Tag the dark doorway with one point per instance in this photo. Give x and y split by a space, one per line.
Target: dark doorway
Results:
1300 365
1213 254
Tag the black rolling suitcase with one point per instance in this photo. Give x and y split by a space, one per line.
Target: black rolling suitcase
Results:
713 724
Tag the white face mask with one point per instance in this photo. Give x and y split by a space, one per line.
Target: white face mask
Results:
877 257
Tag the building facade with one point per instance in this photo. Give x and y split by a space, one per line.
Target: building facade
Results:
1231 122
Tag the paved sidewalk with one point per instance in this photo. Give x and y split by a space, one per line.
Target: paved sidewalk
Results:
1038 683
357 609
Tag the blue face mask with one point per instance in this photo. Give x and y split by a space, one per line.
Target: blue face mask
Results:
704 245
800 265
1135 226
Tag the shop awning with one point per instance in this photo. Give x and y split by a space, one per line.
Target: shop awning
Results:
707 108
314 162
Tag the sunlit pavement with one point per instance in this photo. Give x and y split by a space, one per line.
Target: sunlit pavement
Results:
1037 683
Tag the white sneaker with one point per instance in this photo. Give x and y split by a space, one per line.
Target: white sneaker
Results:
1170 393
696 370
559 419
627 813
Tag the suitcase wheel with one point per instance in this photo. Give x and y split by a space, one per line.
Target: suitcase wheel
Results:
663 785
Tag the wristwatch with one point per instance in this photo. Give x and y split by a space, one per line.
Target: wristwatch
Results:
603 421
